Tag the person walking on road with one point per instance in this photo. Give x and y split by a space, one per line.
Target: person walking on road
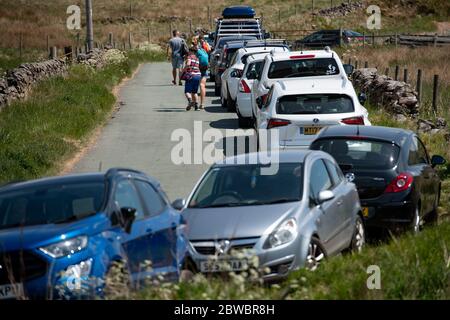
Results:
203 58
191 73
178 50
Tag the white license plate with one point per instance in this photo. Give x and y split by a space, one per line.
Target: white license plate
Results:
223 265
11 291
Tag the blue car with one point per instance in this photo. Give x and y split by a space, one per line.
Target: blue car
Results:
60 236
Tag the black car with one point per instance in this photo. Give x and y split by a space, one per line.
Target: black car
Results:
329 38
397 183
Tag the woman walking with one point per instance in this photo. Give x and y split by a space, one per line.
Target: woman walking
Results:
192 75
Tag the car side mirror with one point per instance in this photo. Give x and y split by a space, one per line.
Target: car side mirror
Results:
325 195
128 216
437 160
259 102
179 204
348 69
362 98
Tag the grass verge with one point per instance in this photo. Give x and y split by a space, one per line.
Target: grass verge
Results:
411 267
38 134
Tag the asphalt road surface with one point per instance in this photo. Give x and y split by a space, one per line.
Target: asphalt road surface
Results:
139 134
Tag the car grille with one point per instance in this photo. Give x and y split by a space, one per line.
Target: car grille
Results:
208 247
19 266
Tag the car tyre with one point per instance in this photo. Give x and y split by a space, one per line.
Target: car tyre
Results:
433 216
416 225
117 280
217 90
359 236
315 255
223 102
231 105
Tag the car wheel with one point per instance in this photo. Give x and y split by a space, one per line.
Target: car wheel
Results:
315 255
117 280
231 105
433 216
416 225
223 102
217 90
359 236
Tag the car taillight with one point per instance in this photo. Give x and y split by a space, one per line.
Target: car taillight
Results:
277 123
243 87
353 120
401 183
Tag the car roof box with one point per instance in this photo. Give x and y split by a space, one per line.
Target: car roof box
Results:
238 12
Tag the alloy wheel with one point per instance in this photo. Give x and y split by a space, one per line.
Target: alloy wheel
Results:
360 236
417 223
315 255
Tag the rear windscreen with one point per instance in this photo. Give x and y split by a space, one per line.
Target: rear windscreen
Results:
315 104
361 154
297 68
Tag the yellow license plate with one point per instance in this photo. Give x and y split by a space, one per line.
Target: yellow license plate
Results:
311 130
365 211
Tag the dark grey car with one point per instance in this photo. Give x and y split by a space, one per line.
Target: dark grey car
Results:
291 219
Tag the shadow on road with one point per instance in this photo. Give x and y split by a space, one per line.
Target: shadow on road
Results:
225 124
215 101
170 109
215 109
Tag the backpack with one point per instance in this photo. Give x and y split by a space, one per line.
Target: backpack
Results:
184 49
206 46
202 57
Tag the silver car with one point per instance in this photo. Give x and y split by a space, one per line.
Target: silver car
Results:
294 218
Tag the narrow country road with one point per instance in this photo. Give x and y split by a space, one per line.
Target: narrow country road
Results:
139 134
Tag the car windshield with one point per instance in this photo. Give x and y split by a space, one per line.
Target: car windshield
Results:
244 185
296 68
359 153
50 204
315 104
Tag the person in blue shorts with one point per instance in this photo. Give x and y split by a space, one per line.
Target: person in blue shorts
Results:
192 75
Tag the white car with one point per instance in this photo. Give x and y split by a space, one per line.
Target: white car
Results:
299 108
244 96
313 64
230 77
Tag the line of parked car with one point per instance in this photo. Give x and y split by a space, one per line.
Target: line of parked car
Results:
339 180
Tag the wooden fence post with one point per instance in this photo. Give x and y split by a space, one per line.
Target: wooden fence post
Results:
312 6
20 45
397 69
386 71
148 35
419 85
53 53
356 64
396 39
130 44
405 75
111 39
48 44
366 64
435 92
435 40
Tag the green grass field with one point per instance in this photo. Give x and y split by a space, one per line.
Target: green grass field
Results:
38 134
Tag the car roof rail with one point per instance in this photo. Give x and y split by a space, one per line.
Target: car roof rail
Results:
119 169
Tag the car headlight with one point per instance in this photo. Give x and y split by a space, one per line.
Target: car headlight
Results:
66 247
285 233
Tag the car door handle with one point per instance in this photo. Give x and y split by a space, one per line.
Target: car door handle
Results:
339 203
150 231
